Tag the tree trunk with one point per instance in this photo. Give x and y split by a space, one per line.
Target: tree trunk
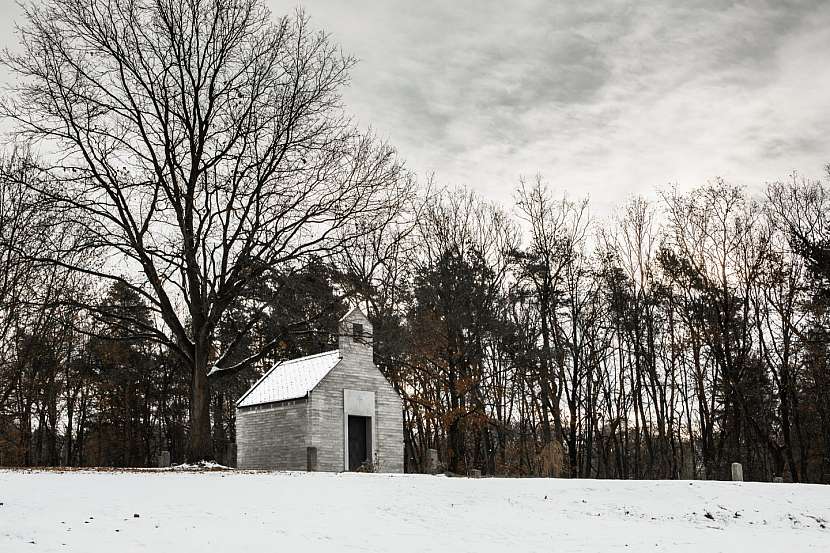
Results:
201 446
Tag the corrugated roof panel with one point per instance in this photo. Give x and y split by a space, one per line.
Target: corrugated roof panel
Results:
290 379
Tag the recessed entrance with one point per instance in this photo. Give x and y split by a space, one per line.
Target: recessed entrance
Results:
360 441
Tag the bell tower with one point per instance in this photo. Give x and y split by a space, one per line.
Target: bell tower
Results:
354 336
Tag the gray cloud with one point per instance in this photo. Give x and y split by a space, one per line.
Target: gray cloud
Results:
603 98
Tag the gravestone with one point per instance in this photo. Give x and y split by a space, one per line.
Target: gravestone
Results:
778 480
475 473
164 459
737 472
432 461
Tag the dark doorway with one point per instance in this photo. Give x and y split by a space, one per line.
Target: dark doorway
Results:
359 441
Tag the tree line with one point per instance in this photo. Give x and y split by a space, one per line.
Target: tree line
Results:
188 203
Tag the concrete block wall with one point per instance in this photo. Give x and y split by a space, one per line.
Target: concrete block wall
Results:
328 433
273 437
356 371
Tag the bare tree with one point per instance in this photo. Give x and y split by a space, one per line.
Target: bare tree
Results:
557 227
33 320
198 145
19 221
722 247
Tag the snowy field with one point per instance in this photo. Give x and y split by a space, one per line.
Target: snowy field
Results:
90 512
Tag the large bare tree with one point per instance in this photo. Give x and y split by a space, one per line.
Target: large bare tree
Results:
199 144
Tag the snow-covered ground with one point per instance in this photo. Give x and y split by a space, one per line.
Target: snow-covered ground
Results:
161 512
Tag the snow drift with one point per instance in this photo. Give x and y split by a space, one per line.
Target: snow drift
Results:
109 512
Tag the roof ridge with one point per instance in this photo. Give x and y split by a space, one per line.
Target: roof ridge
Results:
312 356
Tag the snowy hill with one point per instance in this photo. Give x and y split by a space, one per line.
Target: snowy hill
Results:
93 512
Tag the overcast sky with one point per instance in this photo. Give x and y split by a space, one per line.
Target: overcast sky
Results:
602 98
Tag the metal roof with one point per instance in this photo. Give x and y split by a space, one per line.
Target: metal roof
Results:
290 379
